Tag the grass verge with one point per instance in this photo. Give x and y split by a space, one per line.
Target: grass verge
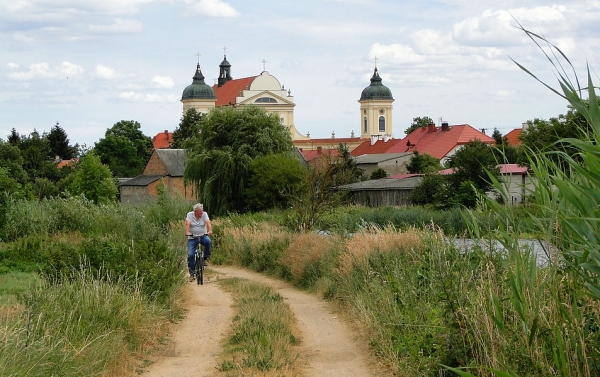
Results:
264 337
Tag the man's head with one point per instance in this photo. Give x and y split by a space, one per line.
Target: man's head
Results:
198 208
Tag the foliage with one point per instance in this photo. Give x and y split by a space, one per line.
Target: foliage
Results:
419 122
273 179
219 161
189 126
423 163
264 333
124 149
59 143
378 174
94 180
431 190
497 135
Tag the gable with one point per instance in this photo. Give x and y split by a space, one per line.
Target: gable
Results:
266 94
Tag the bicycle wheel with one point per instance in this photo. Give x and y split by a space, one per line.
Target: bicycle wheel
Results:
197 267
201 271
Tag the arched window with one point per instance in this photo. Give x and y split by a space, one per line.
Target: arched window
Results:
266 100
365 125
381 124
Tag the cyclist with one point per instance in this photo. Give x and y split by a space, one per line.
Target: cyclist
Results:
197 223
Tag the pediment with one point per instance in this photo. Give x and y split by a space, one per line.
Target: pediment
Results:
266 93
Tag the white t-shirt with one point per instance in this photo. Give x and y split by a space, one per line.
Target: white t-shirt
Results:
197 226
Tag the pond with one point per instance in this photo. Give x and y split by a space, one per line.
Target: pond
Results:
540 250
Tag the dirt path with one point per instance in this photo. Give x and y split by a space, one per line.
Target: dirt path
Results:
329 348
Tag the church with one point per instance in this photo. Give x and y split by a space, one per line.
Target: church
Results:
265 90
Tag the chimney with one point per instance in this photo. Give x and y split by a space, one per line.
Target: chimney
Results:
445 126
374 139
431 127
386 137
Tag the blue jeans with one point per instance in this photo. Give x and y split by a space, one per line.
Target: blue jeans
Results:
191 246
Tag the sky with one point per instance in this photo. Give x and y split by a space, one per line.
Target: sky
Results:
88 64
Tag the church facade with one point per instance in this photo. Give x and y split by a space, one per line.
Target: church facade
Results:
266 91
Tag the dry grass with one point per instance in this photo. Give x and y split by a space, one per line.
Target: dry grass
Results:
308 248
374 240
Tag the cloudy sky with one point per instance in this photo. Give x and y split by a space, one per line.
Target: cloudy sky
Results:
88 64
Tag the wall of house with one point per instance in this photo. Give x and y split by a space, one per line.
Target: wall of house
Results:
134 194
155 166
396 166
382 198
518 187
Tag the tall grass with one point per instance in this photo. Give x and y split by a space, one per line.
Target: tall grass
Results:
83 327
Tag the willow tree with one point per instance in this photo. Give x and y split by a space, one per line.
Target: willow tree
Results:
219 158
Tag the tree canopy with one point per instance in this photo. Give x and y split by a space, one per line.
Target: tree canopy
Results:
124 149
423 163
189 126
94 180
59 143
419 122
220 157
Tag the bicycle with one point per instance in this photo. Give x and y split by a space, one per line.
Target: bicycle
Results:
199 260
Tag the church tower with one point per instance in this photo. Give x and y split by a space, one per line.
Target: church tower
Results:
198 95
376 110
225 72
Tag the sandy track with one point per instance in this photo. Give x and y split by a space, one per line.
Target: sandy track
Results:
329 348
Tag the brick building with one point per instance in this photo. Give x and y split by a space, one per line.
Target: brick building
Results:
166 166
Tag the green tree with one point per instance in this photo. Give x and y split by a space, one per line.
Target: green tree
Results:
378 174
471 164
423 163
497 135
274 178
59 143
189 126
431 190
419 122
94 180
124 149
38 160
14 138
220 157
12 160
345 169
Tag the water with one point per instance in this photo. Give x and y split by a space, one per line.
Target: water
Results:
540 250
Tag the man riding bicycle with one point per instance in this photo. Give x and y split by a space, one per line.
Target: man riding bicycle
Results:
197 223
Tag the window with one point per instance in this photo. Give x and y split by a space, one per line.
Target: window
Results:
266 100
365 125
381 124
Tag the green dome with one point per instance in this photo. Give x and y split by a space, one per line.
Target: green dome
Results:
198 89
376 90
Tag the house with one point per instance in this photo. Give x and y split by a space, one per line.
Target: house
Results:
392 163
513 137
166 166
440 142
163 140
384 192
396 190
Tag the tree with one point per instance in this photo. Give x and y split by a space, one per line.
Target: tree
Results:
419 122
59 143
431 190
471 164
378 174
94 180
345 169
124 149
38 160
189 126
273 179
423 163
220 157
14 138
497 135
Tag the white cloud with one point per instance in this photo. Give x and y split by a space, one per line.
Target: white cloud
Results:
104 72
12 65
165 82
21 10
71 70
141 97
212 8
36 71
120 26
395 54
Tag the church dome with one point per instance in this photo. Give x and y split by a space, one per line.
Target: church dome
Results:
198 89
376 90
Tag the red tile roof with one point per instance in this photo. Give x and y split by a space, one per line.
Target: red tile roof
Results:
380 146
64 163
310 155
162 140
513 136
227 93
437 143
